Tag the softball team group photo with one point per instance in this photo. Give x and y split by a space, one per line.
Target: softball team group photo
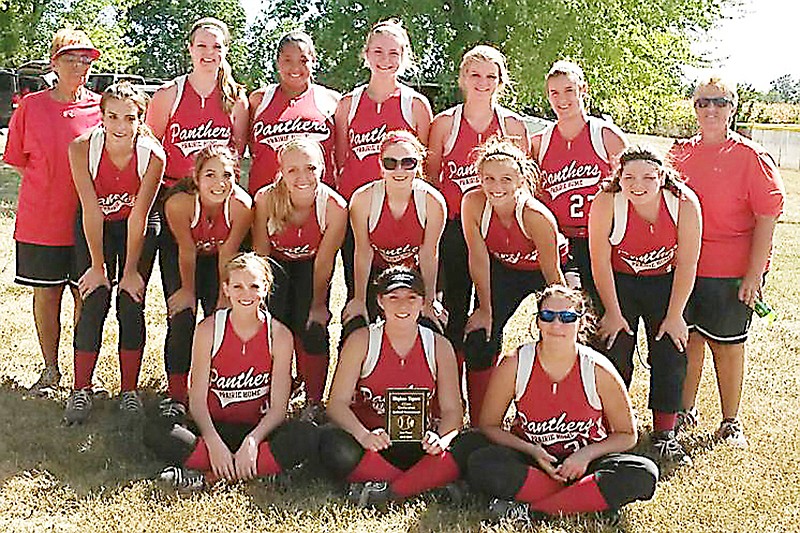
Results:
444 224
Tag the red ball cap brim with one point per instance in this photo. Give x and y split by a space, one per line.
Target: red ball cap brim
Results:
92 51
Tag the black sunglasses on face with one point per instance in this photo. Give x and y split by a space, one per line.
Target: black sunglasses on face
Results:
717 102
406 163
565 317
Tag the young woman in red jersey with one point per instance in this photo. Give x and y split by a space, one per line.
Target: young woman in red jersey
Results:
207 219
742 195
39 134
644 238
564 453
397 220
117 169
203 107
575 155
295 107
397 353
300 223
455 136
515 249
241 378
367 113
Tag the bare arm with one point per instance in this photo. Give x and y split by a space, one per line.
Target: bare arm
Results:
421 109
433 163
342 139
241 221
429 251
516 130
615 143
362 260
448 392
750 289
479 265
158 112
240 119
281 381
261 242
543 230
336 224
179 210
497 400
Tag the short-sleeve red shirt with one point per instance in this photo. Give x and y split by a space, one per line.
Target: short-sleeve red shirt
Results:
736 181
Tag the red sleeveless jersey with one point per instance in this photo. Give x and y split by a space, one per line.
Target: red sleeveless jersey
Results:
279 119
209 233
38 143
639 247
116 188
563 416
571 174
396 241
194 123
458 173
241 373
390 371
368 122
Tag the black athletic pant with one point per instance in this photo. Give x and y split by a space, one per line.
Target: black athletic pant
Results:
647 297
455 281
180 328
292 443
290 301
581 263
509 287
622 477
130 314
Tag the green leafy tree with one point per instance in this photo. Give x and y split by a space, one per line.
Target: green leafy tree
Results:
19 20
784 89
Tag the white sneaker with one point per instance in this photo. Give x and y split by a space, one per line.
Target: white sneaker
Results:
182 479
730 432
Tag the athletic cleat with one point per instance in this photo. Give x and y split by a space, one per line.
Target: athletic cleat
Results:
182 479
512 511
375 493
130 403
730 432
79 405
668 451
354 491
48 379
169 408
687 419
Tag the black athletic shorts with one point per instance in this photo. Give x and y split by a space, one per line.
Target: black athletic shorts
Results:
714 311
39 265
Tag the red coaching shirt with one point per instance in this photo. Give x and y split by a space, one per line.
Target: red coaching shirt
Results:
241 373
38 142
279 119
736 181
639 247
194 123
368 122
562 416
383 369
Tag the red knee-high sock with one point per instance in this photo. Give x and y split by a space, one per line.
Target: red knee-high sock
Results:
130 362
537 485
84 368
373 467
177 387
266 465
664 421
313 369
584 496
199 459
430 472
477 383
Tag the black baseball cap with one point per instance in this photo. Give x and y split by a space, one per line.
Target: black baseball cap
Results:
400 278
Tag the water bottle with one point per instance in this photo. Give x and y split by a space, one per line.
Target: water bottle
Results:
764 310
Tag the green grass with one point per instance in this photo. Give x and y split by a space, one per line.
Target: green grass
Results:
95 477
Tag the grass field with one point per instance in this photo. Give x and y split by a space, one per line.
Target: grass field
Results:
95 477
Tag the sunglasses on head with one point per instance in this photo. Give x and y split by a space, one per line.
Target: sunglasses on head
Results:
565 317
406 163
717 102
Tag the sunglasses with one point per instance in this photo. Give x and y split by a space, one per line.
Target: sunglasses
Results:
565 317
74 59
717 102
406 163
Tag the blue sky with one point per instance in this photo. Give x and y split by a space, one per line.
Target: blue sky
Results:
755 43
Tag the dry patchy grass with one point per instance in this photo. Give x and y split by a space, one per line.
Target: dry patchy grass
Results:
95 477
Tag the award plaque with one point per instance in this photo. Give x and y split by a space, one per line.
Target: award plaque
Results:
406 414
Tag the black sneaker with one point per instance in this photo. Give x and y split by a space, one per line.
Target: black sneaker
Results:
667 449
169 408
79 405
130 403
182 479
48 380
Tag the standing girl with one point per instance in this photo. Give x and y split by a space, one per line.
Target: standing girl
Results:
300 222
117 170
397 220
575 154
644 238
295 107
367 113
513 245
241 377
455 136
207 219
